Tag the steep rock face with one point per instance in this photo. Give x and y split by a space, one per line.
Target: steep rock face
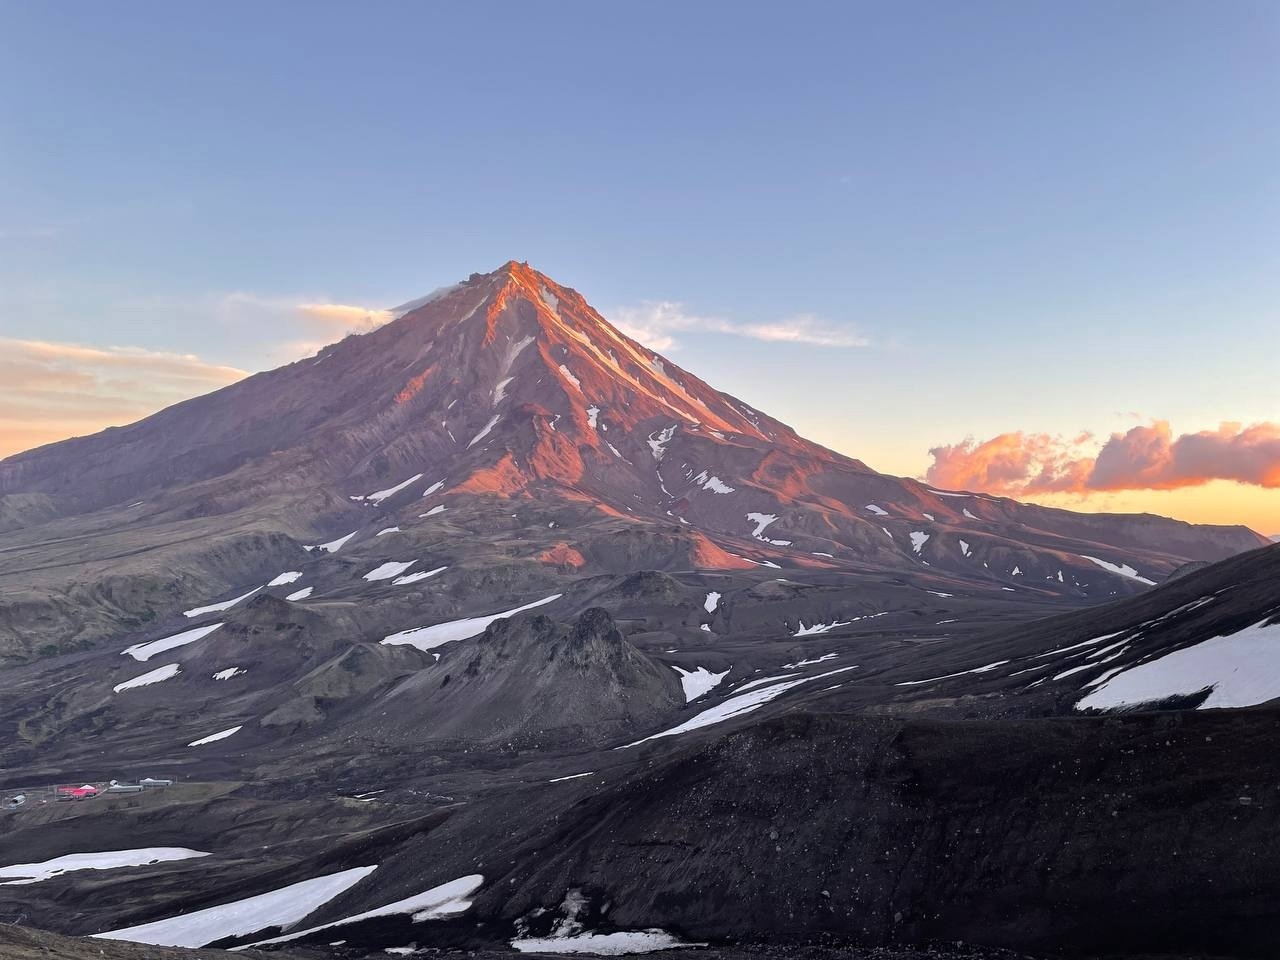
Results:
528 681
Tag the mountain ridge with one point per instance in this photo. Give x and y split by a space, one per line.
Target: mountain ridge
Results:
510 388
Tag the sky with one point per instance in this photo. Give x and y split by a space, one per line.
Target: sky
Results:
1025 247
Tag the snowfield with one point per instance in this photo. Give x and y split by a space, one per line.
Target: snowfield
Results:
276 908
1239 669
428 638
444 900
18 874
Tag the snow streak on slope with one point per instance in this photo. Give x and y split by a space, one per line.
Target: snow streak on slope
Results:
166 672
1121 569
736 706
1239 669
444 900
215 737
219 607
145 651
278 908
427 638
18 874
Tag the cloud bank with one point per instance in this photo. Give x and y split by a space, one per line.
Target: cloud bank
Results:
1146 457
655 323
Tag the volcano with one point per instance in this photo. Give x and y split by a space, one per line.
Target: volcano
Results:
506 392
494 626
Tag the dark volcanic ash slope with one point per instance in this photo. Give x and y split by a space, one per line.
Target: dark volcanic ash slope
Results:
505 389
530 682
1208 639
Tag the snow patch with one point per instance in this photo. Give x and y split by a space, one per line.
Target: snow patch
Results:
617 944
287 577
277 908
877 510
500 390
150 677
1240 669
736 706
378 496
145 651
658 441
420 575
445 900
712 601
987 669
427 638
333 546
568 375
21 874
392 568
762 521
215 737
218 607
301 594
1120 569
698 681
484 432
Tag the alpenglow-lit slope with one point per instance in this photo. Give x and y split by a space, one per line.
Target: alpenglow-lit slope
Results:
511 385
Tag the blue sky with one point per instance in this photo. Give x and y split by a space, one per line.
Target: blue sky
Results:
1042 217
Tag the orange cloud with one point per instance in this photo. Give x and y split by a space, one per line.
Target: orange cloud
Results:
1146 457
50 391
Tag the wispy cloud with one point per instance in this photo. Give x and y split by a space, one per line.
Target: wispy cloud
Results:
1146 457
299 325
655 323
50 391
